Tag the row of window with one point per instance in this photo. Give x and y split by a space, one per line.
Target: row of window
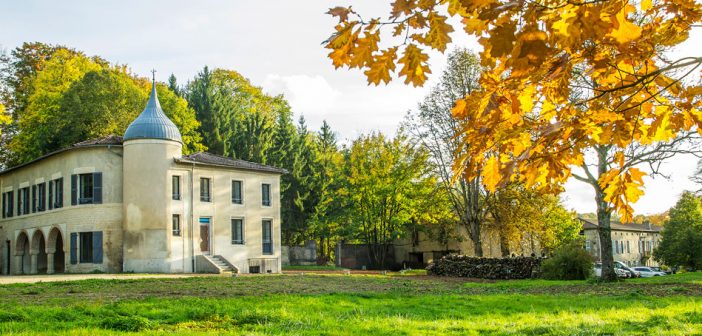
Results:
85 189
621 246
238 232
206 191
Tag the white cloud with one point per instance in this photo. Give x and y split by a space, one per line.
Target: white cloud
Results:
308 95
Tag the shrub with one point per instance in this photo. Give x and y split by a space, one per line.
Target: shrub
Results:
569 262
484 268
127 323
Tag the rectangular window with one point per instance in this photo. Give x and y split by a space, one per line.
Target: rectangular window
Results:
58 190
266 194
86 247
628 247
176 225
237 231
205 190
85 191
90 247
175 187
41 197
7 204
236 192
86 188
23 201
616 247
267 236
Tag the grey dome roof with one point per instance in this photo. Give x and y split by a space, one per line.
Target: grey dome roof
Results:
152 123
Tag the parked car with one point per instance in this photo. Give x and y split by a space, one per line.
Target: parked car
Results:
647 272
620 272
658 269
632 273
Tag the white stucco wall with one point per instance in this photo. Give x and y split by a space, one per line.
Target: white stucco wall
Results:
105 217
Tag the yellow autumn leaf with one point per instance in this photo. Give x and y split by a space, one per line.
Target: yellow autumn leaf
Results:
438 35
381 67
414 65
646 5
491 174
623 30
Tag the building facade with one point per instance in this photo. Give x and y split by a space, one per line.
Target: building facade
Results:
136 204
632 244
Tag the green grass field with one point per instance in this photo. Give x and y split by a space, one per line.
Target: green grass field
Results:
353 305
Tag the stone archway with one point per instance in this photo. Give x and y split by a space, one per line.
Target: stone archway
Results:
38 253
56 256
22 258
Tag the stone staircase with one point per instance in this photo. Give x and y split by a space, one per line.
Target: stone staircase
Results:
222 264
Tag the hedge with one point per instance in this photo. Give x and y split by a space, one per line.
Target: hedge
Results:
485 268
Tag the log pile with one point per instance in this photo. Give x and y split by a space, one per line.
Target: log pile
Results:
485 268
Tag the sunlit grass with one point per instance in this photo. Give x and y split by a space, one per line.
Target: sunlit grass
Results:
352 305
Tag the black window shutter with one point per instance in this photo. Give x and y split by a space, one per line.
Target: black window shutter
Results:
19 202
97 188
59 193
97 247
34 198
10 201
74 189
4 205
74 248
51 194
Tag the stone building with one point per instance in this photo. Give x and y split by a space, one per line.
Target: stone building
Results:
632 244
136 204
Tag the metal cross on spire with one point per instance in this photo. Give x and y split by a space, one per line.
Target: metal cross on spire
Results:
153 76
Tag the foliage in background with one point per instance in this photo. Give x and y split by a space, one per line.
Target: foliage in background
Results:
69 97
568 262
387 180
525 218
559 80
681 243
432 126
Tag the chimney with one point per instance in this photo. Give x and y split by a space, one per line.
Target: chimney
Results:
647 224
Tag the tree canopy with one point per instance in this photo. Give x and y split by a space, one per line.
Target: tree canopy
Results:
560 77
682 237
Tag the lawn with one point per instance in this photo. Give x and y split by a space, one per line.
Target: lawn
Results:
353 305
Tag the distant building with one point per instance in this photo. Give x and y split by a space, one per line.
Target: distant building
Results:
136 204
632 244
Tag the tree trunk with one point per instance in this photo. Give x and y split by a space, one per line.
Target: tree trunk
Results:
604 216
504 245
476 238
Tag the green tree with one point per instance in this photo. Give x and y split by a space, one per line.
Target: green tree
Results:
236 117
325 220
523 217
173 85
433 126
681 244
75 99
36 131
386 181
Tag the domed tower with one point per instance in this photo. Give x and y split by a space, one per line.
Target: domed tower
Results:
151 143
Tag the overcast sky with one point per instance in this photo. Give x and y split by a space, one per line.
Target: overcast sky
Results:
277 45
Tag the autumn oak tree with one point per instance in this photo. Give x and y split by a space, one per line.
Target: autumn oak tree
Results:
523 125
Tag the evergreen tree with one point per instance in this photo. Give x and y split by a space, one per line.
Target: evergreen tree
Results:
173 85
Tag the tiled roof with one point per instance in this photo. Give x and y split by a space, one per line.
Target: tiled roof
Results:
110 140
222 161
107 140
152 123
591 224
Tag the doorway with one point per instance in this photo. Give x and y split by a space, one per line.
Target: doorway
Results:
205 235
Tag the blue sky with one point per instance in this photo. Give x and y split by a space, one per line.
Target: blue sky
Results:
277 45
